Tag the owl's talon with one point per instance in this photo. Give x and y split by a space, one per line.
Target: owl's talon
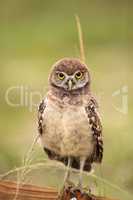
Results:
76 189
68 184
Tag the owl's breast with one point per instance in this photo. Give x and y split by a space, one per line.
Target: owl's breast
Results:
66 131
77 139
52 128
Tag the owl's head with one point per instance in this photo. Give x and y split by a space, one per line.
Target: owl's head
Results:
69 74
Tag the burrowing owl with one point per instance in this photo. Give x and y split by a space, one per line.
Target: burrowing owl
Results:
69 122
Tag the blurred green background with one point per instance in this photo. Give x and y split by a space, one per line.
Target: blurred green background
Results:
36 33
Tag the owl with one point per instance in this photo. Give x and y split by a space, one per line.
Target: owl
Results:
68 120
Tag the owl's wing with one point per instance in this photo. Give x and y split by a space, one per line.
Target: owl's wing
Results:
41 109
96 127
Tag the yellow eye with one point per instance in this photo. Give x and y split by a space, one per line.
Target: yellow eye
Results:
61 76
78 75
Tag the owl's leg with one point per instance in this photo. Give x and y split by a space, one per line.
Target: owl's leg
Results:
66 183
82 163
67 174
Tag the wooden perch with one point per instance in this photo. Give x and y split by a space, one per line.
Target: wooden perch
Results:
29 192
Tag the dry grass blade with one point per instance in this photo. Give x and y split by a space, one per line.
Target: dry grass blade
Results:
54 164
80 35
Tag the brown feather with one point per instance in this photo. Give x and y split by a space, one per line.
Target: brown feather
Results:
96 128
69 65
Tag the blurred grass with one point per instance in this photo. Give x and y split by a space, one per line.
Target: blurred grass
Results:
33 35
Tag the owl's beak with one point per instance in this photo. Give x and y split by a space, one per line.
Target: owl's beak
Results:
70 84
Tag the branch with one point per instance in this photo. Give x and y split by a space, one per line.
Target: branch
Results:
29 192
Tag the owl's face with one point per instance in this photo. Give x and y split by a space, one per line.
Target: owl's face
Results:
69 74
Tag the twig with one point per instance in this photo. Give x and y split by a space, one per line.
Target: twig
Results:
30 192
